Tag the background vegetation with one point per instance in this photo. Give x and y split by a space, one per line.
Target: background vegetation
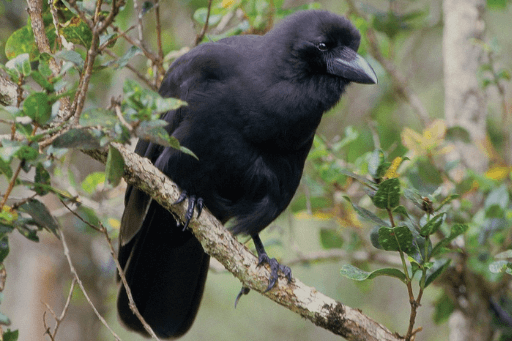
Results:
392 186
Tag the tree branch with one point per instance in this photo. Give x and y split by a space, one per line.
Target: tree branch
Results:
221 244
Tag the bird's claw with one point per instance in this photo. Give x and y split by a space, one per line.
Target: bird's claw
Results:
193 202
274 268
243 291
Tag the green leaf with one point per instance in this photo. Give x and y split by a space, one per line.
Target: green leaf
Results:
77 32
458 133
124 59
166 104
388 194
432 225
42 177
27 153
4 248
41 215
38 108
11 335
330 239
359 178
437 269
444 307
5 168
364 213
20 42
20 64
394 239
447 200
499 5
92 181
357 274
115 166
98 117
456 230
76 138
71 56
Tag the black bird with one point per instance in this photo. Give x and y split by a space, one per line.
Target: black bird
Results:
254 103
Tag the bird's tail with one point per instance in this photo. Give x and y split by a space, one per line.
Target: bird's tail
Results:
166 271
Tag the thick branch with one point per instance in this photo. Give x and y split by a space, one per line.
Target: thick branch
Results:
236 258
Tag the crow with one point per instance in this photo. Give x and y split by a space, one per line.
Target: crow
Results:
254 104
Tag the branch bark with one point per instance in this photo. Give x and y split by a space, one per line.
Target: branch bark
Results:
219 243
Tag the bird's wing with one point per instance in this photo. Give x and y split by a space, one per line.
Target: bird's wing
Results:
195 72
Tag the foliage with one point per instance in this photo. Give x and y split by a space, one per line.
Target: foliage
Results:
405 201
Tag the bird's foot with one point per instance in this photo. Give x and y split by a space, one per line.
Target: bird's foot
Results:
193 202
275 267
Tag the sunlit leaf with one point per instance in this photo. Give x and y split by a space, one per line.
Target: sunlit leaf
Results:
21 41
92 181
498 173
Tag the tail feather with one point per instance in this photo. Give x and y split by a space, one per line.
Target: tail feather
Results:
166 270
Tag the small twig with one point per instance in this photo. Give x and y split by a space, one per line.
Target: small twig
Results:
134 70
58 319
200 36
133 307
119 114
80 284
159 31
140 28
113 39
10 186
399 81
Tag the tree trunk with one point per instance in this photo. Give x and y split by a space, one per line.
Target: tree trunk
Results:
465 106
465 102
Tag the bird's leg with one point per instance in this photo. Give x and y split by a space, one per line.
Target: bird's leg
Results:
193 202
274 264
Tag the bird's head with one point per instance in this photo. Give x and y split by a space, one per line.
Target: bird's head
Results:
324 43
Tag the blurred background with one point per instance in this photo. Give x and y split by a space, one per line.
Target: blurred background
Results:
410 36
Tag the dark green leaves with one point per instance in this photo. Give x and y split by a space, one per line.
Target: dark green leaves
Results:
395 239
388 194
41 215
432 225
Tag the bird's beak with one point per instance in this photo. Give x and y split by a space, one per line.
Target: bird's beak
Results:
351 66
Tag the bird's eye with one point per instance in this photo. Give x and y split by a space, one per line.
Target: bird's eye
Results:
322 46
